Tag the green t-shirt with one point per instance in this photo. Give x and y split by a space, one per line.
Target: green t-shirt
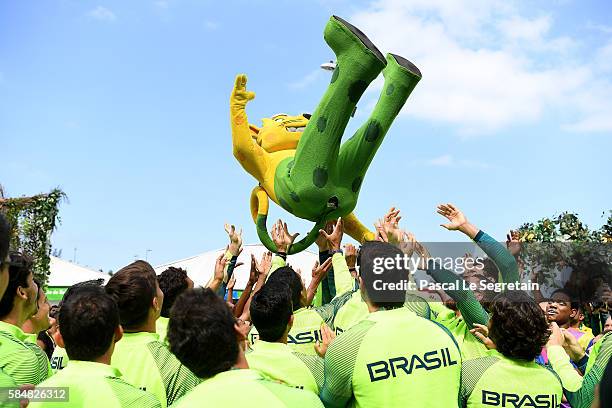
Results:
59 359
6 382
353 311
26 363
307 321
246 388
391 358
469 344
93 384
279 362
498 381
161 328
149 365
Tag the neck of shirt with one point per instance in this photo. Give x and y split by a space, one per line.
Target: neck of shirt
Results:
13 330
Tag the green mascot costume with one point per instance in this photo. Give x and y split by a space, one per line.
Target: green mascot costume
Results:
299 161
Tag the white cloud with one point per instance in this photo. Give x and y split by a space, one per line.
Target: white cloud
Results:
485 66
211 25
447 160
307 80
102 14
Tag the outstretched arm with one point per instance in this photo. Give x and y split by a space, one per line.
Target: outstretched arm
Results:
497 252
250 155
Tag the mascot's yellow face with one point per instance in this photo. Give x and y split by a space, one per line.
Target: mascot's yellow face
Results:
280 132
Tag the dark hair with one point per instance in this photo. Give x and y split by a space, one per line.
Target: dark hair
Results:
370 251
518 325
19 270
5 237
574 304
47 341
201 332
172 281
133 288
87 323
74 289
271 310
290 278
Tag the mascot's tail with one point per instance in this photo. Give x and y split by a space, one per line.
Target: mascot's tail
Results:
259 211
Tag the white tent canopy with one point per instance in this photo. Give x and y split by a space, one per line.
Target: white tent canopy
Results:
200 268
65 274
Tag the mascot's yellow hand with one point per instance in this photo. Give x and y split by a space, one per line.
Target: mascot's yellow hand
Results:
240 96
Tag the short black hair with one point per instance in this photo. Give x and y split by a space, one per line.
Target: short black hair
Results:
74 289
19 270
271 310
5 237
293 281
574 304
133 287
172 281
370 252
201 333
518 326
87 323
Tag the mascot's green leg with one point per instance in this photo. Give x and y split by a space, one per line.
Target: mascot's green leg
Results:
358 63
401 76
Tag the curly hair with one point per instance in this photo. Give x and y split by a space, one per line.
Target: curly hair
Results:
518 326
173 282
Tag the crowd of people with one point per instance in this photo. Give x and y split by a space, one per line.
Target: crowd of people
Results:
147 340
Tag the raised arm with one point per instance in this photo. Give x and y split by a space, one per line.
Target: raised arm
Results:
343 280
497 252
245 149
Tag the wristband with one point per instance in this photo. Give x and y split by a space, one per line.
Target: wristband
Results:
335 251
282 255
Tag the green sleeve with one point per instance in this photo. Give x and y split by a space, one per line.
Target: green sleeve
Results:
499 254
470 308
471 373
560 362
328 311
340 360
315 365
583 397
178 379
343 280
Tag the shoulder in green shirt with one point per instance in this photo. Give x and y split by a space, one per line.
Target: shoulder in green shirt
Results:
149 365
59 359
496 380
392 358
279 362
247 388
93 384
24 362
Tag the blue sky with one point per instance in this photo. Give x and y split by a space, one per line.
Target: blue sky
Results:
124 105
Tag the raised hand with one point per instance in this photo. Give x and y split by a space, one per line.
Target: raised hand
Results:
281 236
335 238
454 215
350 255
481 332
327 337
319 271
321 241
556 336
240 95
513 243
235 239
220 263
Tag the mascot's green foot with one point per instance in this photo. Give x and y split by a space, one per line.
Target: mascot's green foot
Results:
353 49
401 62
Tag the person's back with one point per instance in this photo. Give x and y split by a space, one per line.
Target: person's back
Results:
147 363
90 384
496 380
143 360
247 388
393 358
89 330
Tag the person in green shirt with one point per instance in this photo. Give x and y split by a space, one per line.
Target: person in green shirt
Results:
172 282
89 331
6 381
145 361
208 339
307 322
272 316
508 375
393 358
18 358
